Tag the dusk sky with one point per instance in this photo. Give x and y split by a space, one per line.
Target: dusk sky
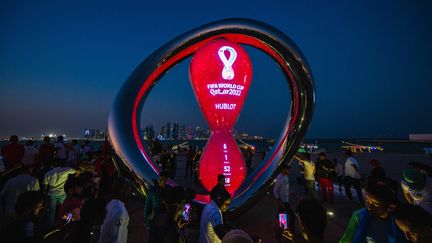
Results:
62 63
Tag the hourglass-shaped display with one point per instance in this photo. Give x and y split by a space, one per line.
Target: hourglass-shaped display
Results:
220 74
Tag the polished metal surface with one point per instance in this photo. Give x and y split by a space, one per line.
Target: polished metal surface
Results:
124 118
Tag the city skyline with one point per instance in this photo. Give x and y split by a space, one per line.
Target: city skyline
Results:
62 64
184 132
178 131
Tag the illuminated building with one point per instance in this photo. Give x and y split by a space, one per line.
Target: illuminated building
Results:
91 133
149 132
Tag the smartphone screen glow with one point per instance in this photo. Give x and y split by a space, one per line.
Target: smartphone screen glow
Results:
283 220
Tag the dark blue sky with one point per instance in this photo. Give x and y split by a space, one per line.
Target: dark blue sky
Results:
62 62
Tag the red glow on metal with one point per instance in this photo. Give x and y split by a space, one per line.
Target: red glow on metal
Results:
175 58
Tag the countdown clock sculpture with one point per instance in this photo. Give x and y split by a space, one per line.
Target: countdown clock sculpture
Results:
220 74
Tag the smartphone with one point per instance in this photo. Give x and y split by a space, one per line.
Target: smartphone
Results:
283 220
68 218
186 212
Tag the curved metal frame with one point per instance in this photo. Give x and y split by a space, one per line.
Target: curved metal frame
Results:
124 118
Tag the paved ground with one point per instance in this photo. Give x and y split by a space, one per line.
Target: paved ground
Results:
260 220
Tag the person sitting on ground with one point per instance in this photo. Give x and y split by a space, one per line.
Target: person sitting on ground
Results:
167 225
220 186
326 173
312 221
375 222
417 188
415 223
115 226
24 227
153 200
14 188
212 228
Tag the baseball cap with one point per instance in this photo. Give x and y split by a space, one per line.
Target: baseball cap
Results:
414 178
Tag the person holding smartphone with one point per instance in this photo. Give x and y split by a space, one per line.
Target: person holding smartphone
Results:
281 193
167 226
153 200
312 222
212 228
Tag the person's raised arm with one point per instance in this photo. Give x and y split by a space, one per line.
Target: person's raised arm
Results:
299 159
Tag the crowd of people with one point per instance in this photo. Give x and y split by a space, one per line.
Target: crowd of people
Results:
382 217
71 192
64 192
166 157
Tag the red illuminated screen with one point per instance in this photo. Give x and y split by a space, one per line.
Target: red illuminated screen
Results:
220 74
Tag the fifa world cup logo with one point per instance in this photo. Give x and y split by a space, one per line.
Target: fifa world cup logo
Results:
220 74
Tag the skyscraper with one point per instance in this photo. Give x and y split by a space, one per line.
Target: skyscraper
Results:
175 131
94 133
149 132
182 132
166 131
189 133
